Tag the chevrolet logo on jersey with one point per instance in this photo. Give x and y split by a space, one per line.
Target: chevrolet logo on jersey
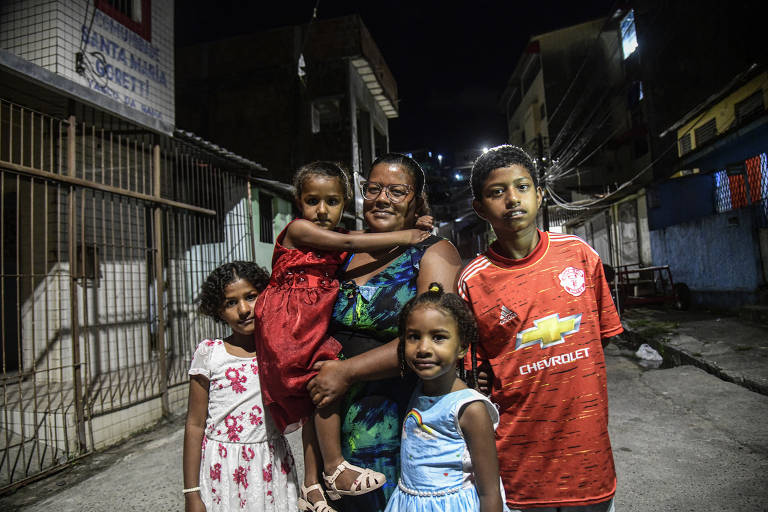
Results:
548 331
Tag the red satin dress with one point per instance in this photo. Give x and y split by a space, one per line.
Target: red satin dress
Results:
292 317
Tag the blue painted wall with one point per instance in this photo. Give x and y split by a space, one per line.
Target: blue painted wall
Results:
680 200
717 254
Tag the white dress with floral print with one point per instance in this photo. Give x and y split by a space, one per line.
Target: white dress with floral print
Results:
246 464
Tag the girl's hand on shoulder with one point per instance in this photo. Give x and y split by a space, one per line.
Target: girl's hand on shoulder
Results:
425 222
417 236
330 383
194 503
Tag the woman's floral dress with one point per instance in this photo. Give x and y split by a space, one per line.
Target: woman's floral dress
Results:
366 317
246 463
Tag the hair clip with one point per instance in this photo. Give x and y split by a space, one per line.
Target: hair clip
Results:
434 288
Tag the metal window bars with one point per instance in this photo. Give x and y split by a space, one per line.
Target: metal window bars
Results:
743 186
107 233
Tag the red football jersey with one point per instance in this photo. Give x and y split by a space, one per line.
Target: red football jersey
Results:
541 320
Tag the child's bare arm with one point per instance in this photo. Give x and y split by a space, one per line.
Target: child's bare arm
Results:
197 412
478 433
303 233
425 222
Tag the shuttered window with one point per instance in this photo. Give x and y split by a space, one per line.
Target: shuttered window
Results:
706 132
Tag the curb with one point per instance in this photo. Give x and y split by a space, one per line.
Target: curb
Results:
678 357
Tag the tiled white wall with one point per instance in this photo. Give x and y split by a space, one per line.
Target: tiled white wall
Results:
111 428
49 33
178 398
118 309
28 28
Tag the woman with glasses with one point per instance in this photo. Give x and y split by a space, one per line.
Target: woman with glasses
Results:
374 287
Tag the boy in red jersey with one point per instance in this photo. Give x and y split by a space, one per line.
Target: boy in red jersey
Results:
543 310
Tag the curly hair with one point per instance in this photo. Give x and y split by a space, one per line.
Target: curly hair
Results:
452 305
212 292
322 168
505 155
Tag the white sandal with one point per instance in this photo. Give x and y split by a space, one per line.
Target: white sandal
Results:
367 481
319 506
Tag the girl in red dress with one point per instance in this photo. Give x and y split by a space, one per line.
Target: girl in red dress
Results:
292 317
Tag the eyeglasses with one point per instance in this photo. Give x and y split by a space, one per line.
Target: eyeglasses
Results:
396 192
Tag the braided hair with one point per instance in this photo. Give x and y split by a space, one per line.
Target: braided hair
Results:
452 305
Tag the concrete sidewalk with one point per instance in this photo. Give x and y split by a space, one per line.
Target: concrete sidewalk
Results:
683 438
727 345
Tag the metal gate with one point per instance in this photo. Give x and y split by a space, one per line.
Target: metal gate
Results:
107 232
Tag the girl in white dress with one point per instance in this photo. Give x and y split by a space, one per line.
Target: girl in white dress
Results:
234 457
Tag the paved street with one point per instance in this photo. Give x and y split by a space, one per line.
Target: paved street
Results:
683 440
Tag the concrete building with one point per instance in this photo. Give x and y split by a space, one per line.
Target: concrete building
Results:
291 95
709 221
111 217
574 104
599 105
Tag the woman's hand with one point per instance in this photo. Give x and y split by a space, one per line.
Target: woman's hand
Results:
330 383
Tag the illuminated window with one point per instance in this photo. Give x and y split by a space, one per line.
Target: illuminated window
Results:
134 14
628 34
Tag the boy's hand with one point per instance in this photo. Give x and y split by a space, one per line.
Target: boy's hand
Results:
416 236
485 378
483 384
425 222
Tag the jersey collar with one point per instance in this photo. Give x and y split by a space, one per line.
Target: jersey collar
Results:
536 254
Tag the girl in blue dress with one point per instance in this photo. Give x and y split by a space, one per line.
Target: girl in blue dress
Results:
448 451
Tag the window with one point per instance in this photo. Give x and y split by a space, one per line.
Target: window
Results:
634 94
514 102
88 265
265 218
628 34
134 14
326 115
685 143
530 73
315 115
748 107
705 132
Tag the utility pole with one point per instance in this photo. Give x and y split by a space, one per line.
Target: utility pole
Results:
542 183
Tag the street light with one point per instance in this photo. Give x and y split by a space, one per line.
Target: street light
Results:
485 149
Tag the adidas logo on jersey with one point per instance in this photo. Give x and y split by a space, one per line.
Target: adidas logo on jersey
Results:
507 315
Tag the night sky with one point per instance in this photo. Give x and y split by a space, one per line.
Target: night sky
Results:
451 60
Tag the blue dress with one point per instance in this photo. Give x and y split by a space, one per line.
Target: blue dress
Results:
436 469
365 317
